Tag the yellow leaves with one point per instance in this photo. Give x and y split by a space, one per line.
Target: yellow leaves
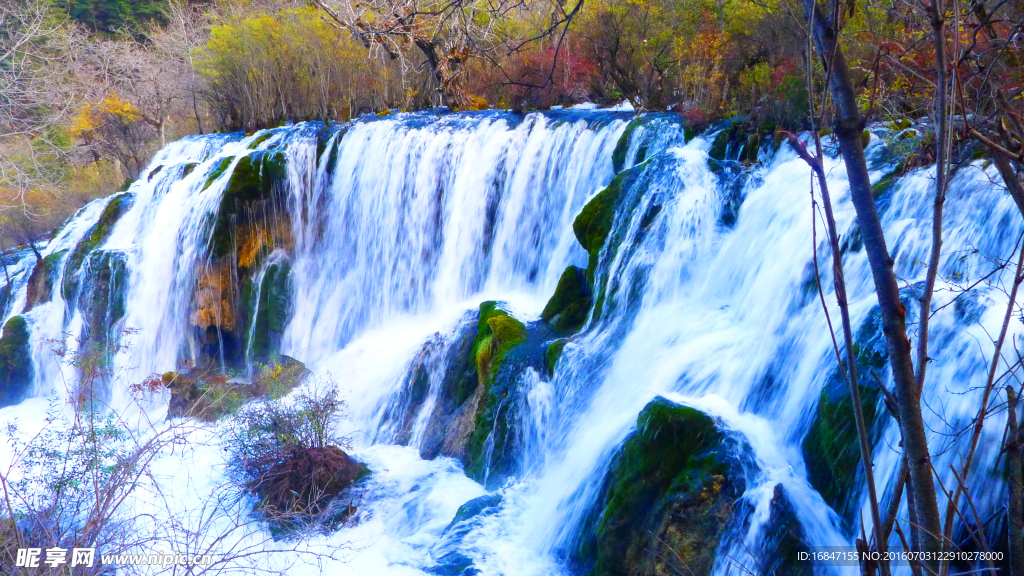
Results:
93 115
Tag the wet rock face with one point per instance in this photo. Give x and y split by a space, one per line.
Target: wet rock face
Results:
242 300
831 448
784 539
568 308
209 395
75 273
667 497
478 378
102 298
16 370
41 281
271 307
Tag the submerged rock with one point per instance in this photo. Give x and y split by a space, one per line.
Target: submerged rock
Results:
16 371
667 497
784 539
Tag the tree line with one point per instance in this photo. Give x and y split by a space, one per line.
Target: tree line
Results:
88 93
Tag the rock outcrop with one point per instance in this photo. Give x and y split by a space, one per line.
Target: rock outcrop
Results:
16 370
666 499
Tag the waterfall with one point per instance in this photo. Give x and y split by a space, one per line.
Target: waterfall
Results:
368 257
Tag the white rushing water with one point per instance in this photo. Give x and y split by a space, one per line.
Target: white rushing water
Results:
422 217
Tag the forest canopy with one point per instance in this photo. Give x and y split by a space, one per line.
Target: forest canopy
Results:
90 89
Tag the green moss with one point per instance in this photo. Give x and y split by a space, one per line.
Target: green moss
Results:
188 168
251 181
553 353
594 223
266 135
96 236
831 448
670 484
720 146
569 306
622 146
16 371
497 334
217 172
270 314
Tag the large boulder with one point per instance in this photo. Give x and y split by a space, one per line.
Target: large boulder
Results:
475 413
667 497
16 371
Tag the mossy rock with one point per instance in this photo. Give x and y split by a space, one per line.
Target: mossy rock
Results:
270 314
252 181
498 334
569 306
218 170
449 424
666 499
742 141
42 280
266 135
719 147
476 507
96 236
553 353
594 223
16 371
622 146
102 301
209 395
831 448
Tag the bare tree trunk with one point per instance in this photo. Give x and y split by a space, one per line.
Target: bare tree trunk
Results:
839 282
1015 509
848 129
936 12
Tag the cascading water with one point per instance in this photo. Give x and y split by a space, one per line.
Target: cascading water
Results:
385 235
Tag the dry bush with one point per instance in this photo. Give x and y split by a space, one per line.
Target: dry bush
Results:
288 455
